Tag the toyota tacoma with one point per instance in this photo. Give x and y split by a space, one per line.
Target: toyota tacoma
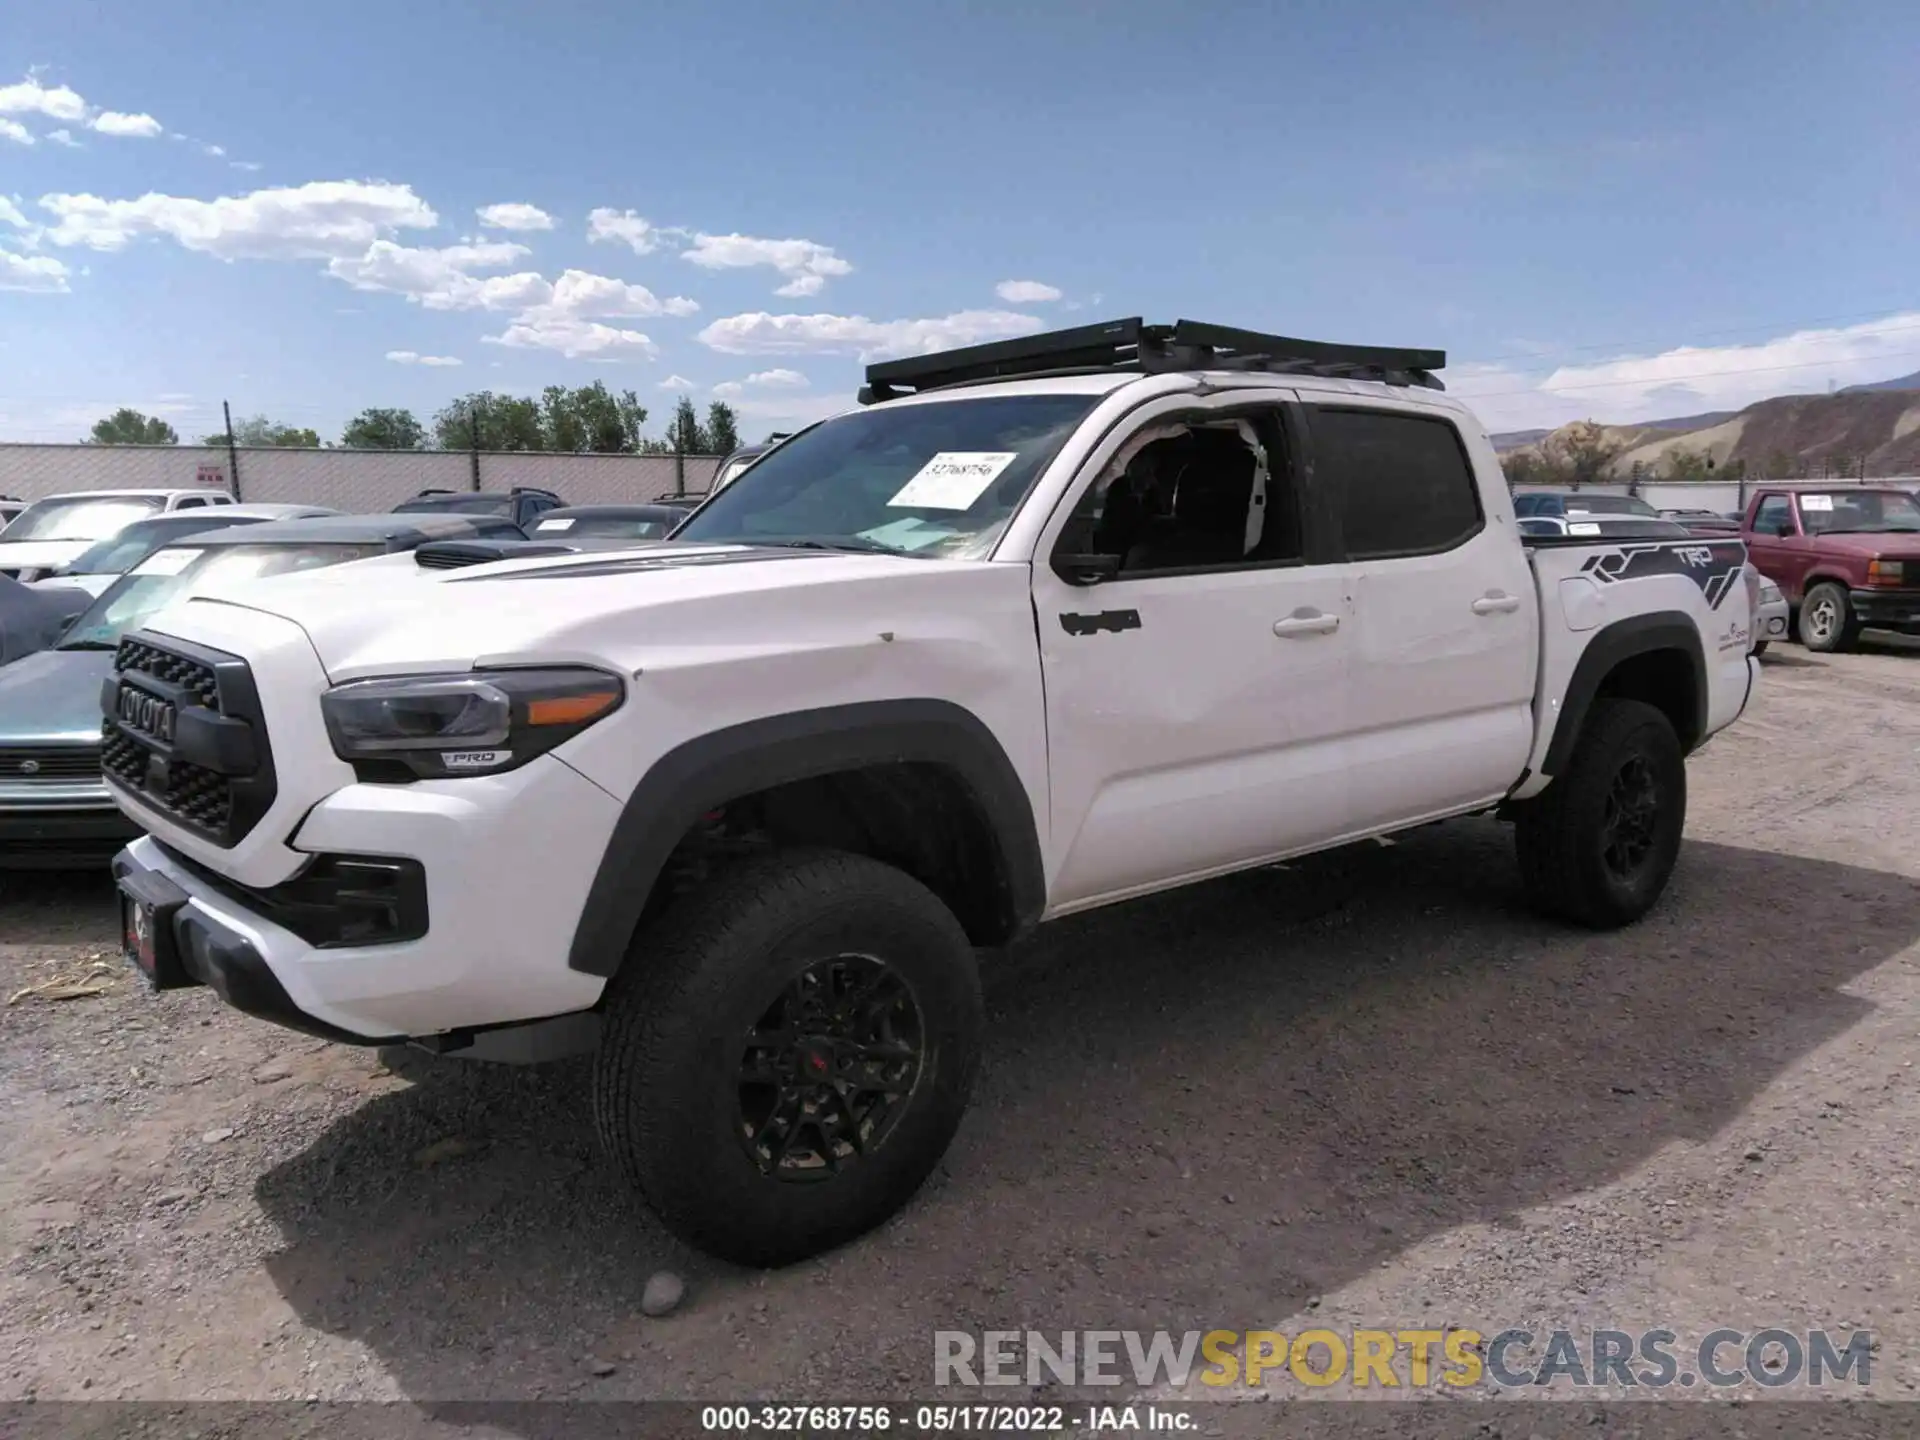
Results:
1039 626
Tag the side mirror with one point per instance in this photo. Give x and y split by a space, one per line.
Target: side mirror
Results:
1086 569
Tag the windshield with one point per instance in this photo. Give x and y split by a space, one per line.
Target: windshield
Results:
624 527
939 479
1609 505
456 505
180 571
81 517
1866 510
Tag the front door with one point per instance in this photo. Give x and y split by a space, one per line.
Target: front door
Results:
1196 695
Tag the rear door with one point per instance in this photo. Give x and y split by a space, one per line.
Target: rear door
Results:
1445 624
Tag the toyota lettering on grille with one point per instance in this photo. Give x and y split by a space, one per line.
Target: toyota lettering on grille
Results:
147 714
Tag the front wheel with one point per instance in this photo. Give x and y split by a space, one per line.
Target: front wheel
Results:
1599 844
787 1055
1827 622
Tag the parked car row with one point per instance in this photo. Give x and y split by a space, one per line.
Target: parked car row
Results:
78 572
1833 562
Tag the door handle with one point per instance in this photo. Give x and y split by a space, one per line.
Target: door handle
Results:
1496 604
1306 622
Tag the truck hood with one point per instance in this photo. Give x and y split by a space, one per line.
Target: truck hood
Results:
1887 544
39 554
52 697
390 615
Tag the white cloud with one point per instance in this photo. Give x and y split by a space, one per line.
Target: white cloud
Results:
807 265
678 382
16 132
438 278
778 379
412 357
30 97
624 227
112 122
319 220
11 214
1689 379
575 338
247 165
580 292
219 152
729 390
64 137
759 333
40 274
513 215
1026 292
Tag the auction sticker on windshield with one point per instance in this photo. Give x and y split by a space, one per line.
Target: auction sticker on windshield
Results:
167 562
1816 502
953 479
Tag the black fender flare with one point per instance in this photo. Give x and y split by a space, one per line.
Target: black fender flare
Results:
1622 640
712 769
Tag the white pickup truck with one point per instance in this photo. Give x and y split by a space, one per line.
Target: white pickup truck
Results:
1042 626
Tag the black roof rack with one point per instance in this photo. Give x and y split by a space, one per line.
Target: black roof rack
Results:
1133 345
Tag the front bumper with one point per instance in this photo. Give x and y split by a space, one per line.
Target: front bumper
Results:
54 826
507 861
1897 610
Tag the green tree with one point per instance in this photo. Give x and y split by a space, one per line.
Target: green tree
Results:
383 429
1582 450
684 433
261 433
723 435
1687 465
592 418
501 422
130 427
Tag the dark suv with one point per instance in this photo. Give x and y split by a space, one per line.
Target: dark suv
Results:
522 505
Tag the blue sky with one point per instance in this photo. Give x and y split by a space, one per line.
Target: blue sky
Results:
1626 211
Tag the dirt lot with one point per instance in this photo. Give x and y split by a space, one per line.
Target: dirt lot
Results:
1367 1090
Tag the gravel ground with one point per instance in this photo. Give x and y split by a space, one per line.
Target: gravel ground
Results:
1367 1089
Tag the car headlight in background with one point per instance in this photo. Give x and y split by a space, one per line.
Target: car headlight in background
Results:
478 723
1886 572
1770 593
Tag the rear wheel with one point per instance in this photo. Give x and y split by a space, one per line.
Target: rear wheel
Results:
1599 844
788 1054
1827 621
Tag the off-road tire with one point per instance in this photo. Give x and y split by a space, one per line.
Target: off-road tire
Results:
1562 834
1827 622
667 1077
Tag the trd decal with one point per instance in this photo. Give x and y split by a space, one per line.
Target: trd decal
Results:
1114 620
1715 568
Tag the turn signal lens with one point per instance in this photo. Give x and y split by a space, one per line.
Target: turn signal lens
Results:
478 723
1886 572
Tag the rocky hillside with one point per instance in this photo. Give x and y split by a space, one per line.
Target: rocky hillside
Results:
1788 435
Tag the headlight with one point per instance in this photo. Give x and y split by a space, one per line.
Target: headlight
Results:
1770 593
481 722
1885 572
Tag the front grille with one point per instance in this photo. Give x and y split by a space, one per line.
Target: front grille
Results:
184 734
194 793
49 762
190 675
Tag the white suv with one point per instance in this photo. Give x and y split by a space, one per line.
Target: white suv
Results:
57 528
1043 626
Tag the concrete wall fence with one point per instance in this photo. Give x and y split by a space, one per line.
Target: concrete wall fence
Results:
356 481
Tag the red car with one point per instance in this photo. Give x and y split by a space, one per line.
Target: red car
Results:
1848 559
